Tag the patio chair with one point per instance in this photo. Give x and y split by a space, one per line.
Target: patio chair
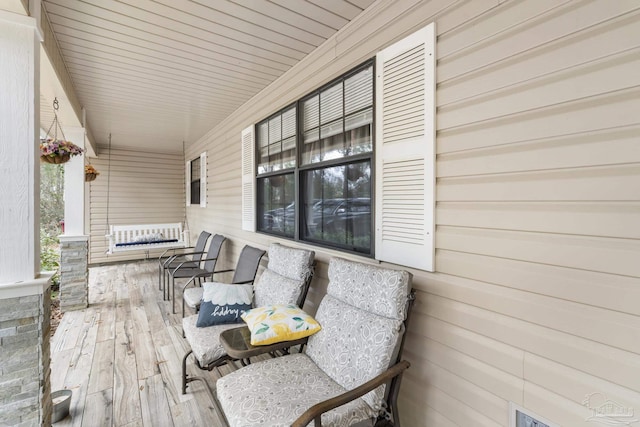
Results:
168 261
350 371
186 269
285 281
244 273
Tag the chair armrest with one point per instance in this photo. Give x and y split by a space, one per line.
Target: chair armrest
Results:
315 412
223 271
170 259
186 262
246 282
162 255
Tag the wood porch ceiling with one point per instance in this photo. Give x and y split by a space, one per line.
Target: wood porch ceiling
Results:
155 73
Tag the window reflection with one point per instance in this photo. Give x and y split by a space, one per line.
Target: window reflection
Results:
276 207
337 206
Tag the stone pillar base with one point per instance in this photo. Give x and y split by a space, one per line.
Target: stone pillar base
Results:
74 272
25 327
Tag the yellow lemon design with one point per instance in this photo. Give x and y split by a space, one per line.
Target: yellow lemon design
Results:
278 316
260 317
280 329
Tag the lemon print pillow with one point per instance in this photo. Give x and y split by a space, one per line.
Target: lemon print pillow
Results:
275 323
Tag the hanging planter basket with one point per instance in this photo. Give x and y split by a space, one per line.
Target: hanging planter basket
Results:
55 159
90 173
54 150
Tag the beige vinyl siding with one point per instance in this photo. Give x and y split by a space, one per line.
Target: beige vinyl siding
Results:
536 293
145 188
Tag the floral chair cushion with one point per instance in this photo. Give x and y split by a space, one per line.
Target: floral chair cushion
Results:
276 323
205 342
273 288
379 290
290 262
275 398
354 345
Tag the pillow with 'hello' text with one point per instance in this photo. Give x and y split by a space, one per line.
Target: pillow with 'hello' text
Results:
222 303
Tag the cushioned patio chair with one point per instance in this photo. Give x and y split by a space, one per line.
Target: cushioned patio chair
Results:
186 269
170 259
285 281
244 273
341 379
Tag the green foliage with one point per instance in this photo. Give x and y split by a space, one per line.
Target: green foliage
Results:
50 256
51 198
51 213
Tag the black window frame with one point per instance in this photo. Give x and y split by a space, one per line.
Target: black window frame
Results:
299 170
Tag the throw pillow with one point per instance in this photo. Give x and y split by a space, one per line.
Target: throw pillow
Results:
222 303
280 322
149 237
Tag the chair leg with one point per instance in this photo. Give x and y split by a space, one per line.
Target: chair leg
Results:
165 275
185 377
164 283
173 301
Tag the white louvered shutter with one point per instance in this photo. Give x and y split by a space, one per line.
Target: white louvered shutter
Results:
248 180
187 179
405 151
203 179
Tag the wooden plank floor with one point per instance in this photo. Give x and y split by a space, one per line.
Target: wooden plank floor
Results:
122 356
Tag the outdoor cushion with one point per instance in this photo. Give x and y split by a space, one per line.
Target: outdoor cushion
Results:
273 288
290 262
149 237
276 323
275 392
205 342
142 242
223 303
193 296
375 289
353 346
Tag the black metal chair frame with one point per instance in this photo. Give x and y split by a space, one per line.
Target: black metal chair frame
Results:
244 273
185 271
167 262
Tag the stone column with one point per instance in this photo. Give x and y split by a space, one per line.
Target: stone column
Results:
25 391
74 276
74 243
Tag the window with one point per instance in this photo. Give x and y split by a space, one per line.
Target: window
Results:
337 206
316 178
196 180
276 152
332 180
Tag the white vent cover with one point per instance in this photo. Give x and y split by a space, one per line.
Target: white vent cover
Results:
520 417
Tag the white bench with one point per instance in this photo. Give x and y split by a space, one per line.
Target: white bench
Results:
146 237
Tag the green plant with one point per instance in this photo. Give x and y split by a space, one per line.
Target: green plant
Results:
50 257
51 212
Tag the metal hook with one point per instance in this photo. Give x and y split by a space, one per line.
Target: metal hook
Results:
56 105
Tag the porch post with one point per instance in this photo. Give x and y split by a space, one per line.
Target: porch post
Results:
74 243
25 299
